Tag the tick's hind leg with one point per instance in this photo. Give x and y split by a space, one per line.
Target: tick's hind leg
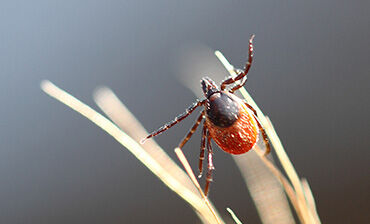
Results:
210 165
264 135
251 108
202 149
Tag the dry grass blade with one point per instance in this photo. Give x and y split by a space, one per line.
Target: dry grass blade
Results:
310 199
135 148
300 205
237 221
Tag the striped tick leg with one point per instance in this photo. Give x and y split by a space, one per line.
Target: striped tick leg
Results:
210 164
202 148
192 130
263 132
242 74
177 120
264 135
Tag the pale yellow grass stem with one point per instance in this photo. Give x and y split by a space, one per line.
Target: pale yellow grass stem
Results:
310 199
237 221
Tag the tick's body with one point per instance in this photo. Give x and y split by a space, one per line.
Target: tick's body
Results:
229 121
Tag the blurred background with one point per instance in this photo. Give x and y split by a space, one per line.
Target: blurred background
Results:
310 74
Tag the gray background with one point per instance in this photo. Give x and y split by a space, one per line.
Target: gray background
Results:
310 75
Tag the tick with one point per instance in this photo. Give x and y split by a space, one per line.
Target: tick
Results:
230 121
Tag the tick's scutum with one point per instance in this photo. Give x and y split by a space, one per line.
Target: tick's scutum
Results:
222 110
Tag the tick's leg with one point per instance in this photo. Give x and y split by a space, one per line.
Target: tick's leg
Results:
238 86
192 130
177 120
242 74
263 132
210 165
265 139
202 149
264 135
250 107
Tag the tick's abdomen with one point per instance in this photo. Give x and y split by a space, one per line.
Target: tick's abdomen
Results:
240 136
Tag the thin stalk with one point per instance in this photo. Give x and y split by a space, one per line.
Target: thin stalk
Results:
237 221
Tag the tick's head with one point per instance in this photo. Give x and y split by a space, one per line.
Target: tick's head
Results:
209 87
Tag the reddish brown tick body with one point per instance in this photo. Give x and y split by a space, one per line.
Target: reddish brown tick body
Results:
229 121
240 136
